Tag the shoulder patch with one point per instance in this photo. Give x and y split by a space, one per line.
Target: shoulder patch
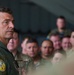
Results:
2 66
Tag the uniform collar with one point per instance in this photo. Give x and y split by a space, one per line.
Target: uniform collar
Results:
4 47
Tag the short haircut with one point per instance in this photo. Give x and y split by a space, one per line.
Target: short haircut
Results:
6 10
61 17
47 40
16 31
66 37
59 51
32 40
54 34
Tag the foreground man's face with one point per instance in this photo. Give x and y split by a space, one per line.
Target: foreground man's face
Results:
6 25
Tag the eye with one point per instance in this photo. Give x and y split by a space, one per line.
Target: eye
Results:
50 47
72 36
29 47
5 22
35 47
45 47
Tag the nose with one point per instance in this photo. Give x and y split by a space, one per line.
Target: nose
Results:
11 25
11 40
47 49
32 49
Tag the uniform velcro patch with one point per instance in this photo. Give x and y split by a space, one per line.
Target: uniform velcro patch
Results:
2 66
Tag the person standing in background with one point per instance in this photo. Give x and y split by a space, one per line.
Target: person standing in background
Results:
61 28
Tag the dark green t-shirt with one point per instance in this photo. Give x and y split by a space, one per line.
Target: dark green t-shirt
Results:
66 32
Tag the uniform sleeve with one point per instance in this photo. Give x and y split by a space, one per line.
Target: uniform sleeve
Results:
2 67
30 67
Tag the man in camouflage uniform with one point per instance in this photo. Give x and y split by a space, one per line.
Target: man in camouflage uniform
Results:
47 50
61 28
24 62
33 51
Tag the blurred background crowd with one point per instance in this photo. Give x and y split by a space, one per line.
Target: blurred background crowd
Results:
43 32
55 48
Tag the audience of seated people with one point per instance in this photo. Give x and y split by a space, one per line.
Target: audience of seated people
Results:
52 50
